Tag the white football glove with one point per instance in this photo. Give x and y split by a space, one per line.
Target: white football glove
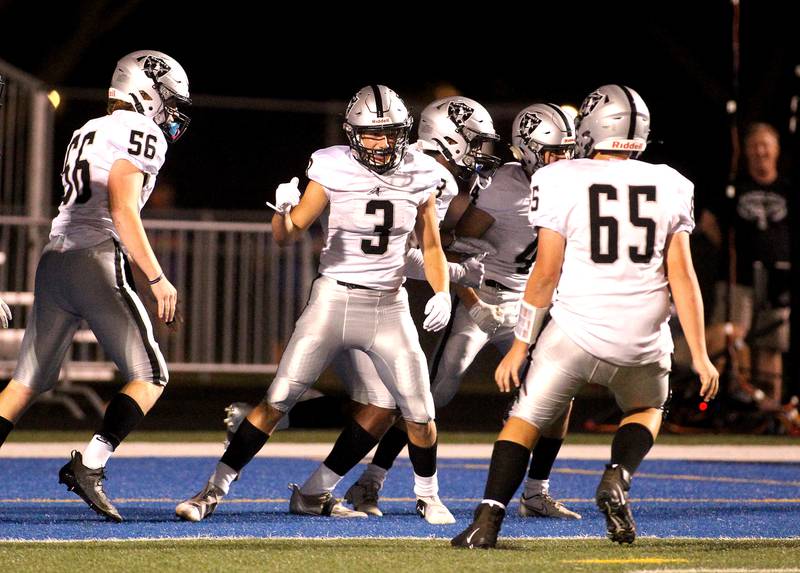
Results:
472 246
488 317
5 314
511 316
287 195
437 312
469 272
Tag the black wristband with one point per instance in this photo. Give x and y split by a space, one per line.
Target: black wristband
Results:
155 280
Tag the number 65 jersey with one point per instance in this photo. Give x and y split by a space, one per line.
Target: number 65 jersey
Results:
371 216
84 218
616 216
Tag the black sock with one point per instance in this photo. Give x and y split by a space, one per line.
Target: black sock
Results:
5 429
245 444
544 455
390 446
423 459
122 416
351 446
630 446
506 471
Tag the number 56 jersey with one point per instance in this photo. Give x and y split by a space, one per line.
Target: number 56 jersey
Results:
371 216
84 217
616 216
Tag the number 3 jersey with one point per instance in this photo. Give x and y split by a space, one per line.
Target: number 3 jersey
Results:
371 216
616 216
84 216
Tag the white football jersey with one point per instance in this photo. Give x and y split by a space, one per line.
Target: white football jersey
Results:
446 190
83 217
507 199
612 299
371 216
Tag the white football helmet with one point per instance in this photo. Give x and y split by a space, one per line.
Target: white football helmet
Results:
378 111
458 127
540 128
612 118
155 85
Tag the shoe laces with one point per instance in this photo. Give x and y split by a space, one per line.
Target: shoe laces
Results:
371 490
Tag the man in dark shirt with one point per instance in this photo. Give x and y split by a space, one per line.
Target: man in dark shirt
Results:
759 218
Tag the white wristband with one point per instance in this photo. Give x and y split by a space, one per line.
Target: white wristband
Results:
530 322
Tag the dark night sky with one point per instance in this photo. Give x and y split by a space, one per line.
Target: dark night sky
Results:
676 56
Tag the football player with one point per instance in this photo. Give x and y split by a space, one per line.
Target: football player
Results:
109 172
455 131
614 239
541 134
378 192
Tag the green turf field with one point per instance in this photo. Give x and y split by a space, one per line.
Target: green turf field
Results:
399 555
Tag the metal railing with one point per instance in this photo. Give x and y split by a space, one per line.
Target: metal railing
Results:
239 292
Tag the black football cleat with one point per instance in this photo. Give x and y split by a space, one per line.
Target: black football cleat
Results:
612 500
482 532
88 485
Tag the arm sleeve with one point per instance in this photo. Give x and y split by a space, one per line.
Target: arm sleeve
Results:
415 267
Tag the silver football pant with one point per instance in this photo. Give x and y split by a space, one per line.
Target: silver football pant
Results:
560 368
463 340
357 373
379 323
94 284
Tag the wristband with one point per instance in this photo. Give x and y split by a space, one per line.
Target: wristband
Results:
530 322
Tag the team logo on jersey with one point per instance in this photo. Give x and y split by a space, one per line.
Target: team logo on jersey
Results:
459 113
154 67
528 124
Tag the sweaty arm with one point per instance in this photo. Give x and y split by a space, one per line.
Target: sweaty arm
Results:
535 304
434 261
125 182
689 304
287 228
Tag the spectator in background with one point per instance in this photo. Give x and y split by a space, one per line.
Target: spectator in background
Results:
758 221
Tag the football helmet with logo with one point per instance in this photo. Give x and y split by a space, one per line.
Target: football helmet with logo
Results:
612 118
462 130
377 124
541 128
156 85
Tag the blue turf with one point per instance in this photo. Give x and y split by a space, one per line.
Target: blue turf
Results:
661 513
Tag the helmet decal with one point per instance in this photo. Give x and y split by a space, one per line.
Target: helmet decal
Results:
459 113
154 67
529 122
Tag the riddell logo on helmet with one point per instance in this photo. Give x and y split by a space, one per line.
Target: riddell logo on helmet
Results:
627 145
381 120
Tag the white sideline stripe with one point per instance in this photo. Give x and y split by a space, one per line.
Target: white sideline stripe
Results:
319 451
